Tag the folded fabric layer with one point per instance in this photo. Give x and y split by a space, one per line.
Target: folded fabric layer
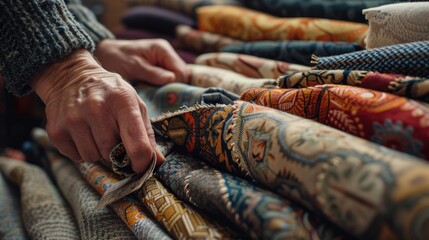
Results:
388 120
249 25
258 213
187 7
93 223
206 76
144 17
401 85
397 23
364 188
173 96
11 226
407 59
180 220
332 9
249 66
298 52
201 42
44 212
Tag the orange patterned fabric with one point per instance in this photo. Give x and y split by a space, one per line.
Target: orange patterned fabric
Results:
249 25
389 120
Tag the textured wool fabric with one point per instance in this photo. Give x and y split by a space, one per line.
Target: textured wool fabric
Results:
180 220
44 212
401 85
249 66
298 52
257 213
206 76
386 119
11 225
93 223
145 17
187 7
397 23
352 182
332 9
29 23
201 42
407 59
173 96
250 25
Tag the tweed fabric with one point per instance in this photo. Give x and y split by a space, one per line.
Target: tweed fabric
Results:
298 52
257 213
29 23
44 212
11 226
397 23
352 182
173 96
407 59
201 42
249 66
180 220
332 9
250 25
93 223
206 76
401 85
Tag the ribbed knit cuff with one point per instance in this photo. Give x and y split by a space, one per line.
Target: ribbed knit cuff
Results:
33 34
89 22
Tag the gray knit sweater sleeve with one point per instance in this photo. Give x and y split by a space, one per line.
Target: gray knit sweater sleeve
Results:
34 33
88 21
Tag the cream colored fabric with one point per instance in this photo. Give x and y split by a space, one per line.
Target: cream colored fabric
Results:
397 23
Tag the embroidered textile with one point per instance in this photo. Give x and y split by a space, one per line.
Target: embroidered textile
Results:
201 42
249 25
249 66
257 213
45 214
397 23
347 179
407 59
298 52
206 76
401 85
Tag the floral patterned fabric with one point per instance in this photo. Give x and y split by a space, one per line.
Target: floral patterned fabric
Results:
366 189
401 85
249 25
298 52
249 66
385 119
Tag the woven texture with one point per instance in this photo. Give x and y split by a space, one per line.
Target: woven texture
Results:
249 66
407 59
249 25
397 23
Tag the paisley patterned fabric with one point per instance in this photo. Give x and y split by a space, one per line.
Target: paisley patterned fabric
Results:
332 9
352 182
230 200
407 59
201 42
397 23
385 119
298 52
249 25
206 76
401 85
249 66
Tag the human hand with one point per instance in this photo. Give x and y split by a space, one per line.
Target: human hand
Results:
89 110
151 60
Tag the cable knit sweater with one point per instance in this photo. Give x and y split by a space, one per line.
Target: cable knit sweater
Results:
35 33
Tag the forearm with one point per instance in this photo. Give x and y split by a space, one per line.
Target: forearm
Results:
33 35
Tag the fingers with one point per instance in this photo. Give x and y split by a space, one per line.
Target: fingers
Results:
86 145
169 59
152 74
